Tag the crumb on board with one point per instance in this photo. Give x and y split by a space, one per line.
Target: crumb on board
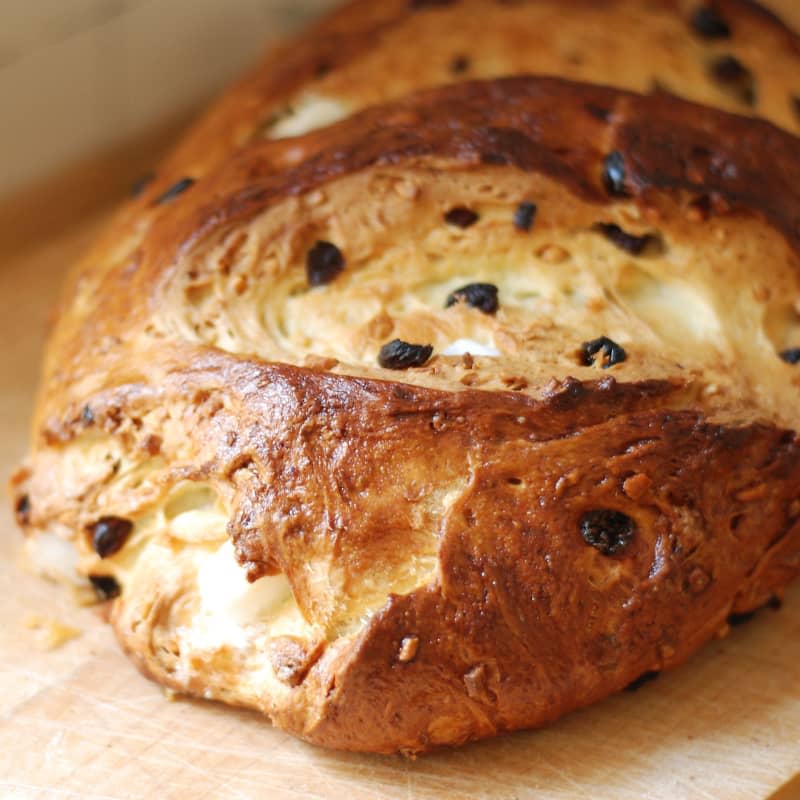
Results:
50 634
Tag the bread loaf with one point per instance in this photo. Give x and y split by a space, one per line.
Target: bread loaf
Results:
458 413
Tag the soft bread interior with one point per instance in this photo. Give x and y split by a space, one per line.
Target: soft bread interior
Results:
563 283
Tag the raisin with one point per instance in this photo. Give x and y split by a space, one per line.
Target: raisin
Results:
461 217
614 174
105 587
141 183
612 352
796 104
735 620
525 216
176 189
87 416
109 535
415 4
323 263
791 356
482 296
659 87
735 78
708 23
598 112
460 64
728 69
495 159
642 680
398 354
608 531
635 245
23 510
701 207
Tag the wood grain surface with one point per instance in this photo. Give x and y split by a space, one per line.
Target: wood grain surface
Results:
80 722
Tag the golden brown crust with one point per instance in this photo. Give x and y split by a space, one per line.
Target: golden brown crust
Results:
507 531
525 622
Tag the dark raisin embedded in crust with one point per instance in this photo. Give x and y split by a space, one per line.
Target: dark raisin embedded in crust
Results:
398 354
791 356
612 352
322 69
598 112
525 216
735 78
642 680
87 416
635 245
775 603
482 296
614 174
461 217
710 24
140 184
728 69
109 534
105 587
22 510
700 208
735 620
176 189
460 64
741 618
608 531
659 87
324 262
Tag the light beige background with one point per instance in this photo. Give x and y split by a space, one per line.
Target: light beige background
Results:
78 76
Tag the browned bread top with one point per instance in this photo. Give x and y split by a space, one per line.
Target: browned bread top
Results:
728 54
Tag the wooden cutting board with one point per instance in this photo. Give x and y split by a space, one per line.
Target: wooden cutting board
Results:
79 721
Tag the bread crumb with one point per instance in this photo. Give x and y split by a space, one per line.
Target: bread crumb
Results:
408 649
636 486
762 294
313 361
514 382
316 198
32 620
407 189
553 254
50 633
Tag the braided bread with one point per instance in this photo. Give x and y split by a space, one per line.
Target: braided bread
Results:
458 413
